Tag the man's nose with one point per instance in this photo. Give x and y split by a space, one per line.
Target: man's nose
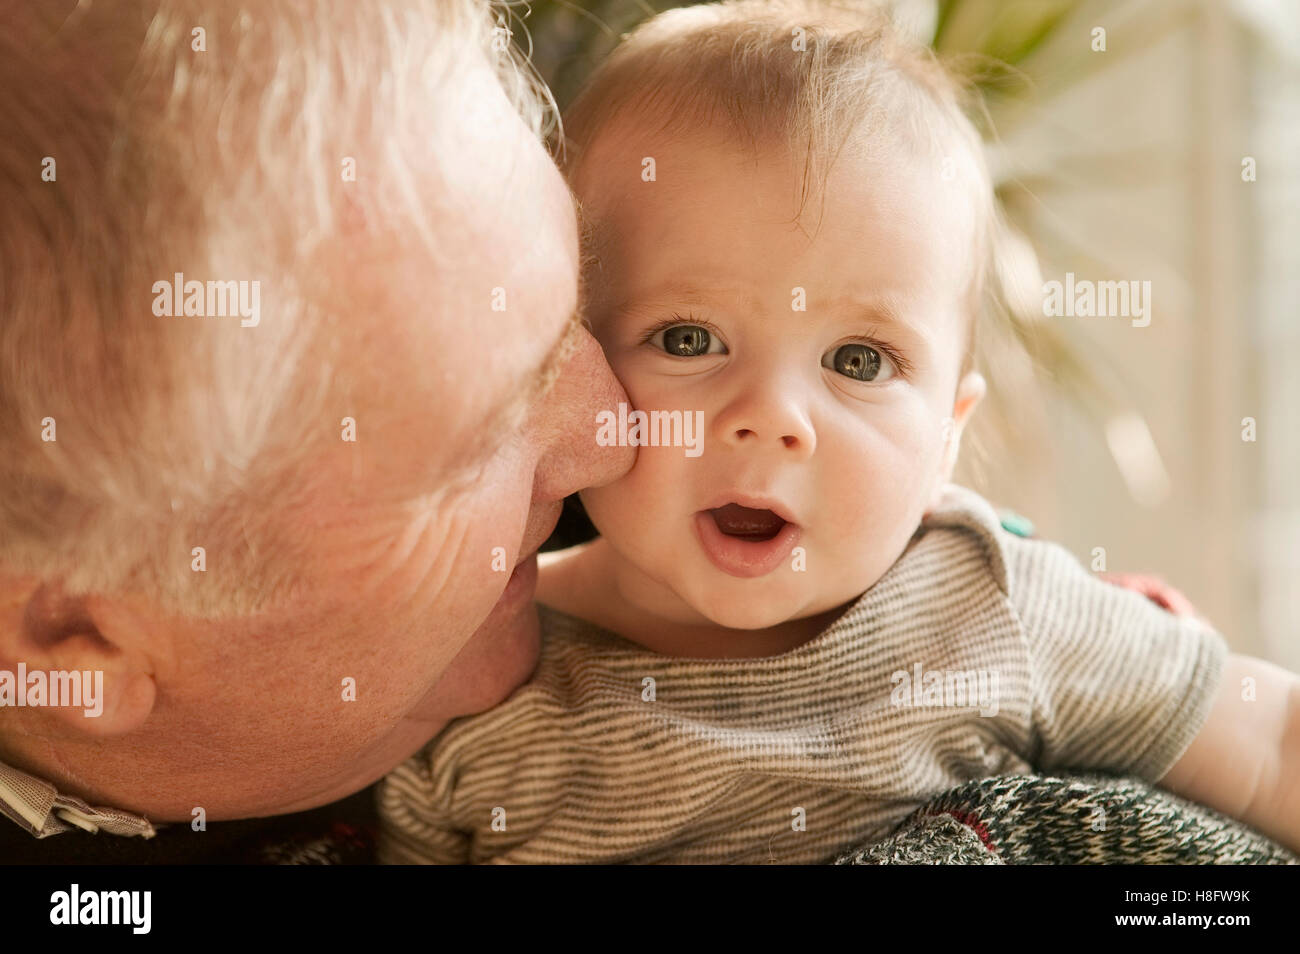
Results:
766 412
571 458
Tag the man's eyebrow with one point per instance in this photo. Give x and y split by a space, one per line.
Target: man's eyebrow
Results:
511 413
548 372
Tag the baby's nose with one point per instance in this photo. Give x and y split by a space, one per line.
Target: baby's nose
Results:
790 440
767 418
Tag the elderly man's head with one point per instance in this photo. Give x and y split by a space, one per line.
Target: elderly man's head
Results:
291 387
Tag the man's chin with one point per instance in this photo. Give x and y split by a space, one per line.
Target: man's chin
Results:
501 654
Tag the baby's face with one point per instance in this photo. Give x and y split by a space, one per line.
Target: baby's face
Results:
823 355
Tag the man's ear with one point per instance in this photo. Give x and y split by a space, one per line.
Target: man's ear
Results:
47 631
970 391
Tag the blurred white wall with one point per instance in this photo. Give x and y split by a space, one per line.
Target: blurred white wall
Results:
1130 168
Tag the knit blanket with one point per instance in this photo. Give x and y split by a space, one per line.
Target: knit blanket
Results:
1067 819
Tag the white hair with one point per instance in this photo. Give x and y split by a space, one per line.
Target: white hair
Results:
147 137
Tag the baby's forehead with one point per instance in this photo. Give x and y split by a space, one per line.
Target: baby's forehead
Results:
633 150
645 191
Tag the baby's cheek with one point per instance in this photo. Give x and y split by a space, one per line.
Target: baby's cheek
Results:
878 483
646 391
628 509
913 440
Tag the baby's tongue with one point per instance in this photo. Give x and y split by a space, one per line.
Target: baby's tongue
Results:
737 521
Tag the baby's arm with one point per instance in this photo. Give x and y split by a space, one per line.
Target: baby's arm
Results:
1122 685
1245 761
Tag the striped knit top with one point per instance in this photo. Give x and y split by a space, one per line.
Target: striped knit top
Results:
978 653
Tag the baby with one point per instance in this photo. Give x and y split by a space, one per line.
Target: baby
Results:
793 628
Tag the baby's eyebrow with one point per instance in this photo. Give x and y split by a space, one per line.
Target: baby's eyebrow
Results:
882 309
687 293
878 309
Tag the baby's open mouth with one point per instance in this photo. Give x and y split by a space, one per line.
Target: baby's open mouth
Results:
746 542
733 520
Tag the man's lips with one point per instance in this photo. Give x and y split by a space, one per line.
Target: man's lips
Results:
746 538
523 577
539 530
520 587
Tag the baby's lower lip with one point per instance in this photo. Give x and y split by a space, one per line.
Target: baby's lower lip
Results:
742 557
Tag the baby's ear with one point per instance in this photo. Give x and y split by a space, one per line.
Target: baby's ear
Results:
969 393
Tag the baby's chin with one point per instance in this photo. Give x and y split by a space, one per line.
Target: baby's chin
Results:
760 612
746 618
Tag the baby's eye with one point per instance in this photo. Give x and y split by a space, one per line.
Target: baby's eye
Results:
860 362
688 341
